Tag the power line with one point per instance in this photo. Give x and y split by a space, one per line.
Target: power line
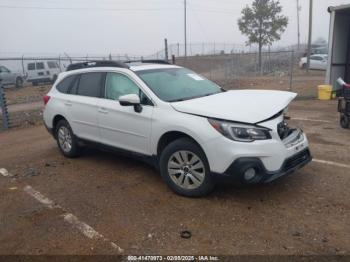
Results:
86 8
109 9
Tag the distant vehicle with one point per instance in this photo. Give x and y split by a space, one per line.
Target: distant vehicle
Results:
10 78
320 51
317 62
192 130
42 72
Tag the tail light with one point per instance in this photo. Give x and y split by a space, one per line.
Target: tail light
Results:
46 99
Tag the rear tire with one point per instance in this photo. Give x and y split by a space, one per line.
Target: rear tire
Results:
185 169
66 140
344 121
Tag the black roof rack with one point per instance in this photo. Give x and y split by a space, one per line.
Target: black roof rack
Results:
149 61
90 64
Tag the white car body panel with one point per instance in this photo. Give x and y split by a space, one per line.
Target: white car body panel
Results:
228 105
120 126
319 64
45 73
107 122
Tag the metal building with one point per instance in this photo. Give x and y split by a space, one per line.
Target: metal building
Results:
339 45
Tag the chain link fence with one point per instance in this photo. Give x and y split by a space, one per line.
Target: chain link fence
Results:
23 86
280 71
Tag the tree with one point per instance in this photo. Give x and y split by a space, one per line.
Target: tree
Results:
262 23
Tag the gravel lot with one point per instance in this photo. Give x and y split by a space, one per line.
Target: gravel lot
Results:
128 205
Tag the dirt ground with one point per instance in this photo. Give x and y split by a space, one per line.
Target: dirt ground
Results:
26 94
304 85
126 201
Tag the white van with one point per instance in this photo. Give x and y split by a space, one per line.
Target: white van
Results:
42 72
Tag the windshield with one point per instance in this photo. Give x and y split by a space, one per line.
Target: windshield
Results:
177 84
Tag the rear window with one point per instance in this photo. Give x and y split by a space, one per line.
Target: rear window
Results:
40 66
90 84
66 84
52 65
31 66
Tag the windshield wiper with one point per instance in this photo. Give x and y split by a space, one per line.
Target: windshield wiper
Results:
192 97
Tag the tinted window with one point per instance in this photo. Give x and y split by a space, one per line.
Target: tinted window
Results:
66 83
31 66
74 87
318 58
118 85
52 65
90 84
4 69
39 66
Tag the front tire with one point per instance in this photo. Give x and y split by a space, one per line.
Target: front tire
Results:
66 141
185 169
344 121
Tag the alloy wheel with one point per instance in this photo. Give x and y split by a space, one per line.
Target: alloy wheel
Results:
186 169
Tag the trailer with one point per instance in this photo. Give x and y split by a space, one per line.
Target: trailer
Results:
339 46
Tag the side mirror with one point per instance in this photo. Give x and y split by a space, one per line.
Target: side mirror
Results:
131 100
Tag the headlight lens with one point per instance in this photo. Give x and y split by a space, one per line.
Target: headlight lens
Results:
241 133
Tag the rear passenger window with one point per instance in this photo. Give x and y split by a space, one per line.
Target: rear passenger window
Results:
52 65
39 66
31 66
90 84
66 84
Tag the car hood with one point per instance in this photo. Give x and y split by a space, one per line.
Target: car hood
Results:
246 106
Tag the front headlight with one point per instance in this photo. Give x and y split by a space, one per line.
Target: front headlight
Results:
240 132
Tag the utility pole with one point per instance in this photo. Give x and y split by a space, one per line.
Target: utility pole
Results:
310 36
185 24
166 50
298 18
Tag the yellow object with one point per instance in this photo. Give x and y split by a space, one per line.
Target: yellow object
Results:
325 92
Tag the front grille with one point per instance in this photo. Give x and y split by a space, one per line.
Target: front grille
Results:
297 159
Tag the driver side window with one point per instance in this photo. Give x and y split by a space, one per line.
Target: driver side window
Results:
118 85
4 69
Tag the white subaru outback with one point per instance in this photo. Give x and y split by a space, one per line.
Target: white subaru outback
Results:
193 131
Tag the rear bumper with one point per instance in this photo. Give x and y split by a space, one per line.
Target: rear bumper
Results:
236 171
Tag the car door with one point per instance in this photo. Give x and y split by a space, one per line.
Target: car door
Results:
316 62
313 62
40 70
31 72
6 76
81 105
324 63
121 126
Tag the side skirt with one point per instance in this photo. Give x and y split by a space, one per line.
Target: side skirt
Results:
150 160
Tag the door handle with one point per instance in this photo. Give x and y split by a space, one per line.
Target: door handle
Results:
103 110
68 103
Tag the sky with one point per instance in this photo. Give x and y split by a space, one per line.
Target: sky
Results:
136 27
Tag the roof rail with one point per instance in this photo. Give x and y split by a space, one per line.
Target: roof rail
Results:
91 64
149 61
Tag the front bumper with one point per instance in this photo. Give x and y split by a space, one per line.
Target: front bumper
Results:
235 172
